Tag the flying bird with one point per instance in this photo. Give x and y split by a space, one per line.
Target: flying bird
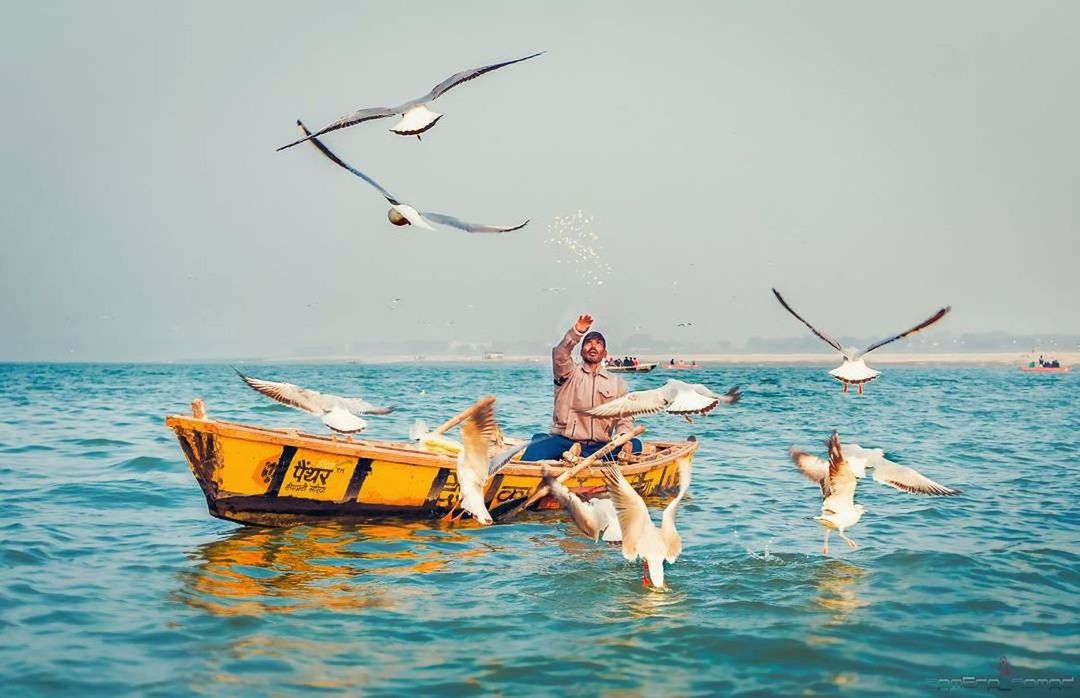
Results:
673 397
838 476
853 370
338 413
594 517
417 118
640 536
403 214
475 467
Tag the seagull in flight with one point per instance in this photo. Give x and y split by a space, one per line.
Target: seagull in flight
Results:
673 397
838 476
403 214
595 517
417 118
853 370
338 413
640 536
475 467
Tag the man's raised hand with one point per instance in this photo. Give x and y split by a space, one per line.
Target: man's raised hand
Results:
584 322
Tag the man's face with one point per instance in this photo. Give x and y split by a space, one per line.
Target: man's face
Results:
593 351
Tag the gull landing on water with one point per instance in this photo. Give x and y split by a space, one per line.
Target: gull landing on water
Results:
338 413
640 536
404 214
673 397
854 371
416 117
838 476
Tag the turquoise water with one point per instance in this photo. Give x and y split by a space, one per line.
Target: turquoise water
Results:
114 579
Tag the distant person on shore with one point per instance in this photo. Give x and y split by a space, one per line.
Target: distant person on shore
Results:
580 387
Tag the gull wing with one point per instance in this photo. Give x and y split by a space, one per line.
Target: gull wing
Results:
583 514
341 163
906 479
841 478
507 454
470 227
672 539
814 468
633 514
288 394
635 403
418 430
684 399
921 326
340 419
466 75
351 119
828 340
477 432
358 405
730 397
607 518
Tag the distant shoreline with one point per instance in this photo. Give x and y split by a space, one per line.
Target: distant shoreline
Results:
965 358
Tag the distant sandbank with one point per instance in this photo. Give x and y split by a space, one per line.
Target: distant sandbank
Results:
998 358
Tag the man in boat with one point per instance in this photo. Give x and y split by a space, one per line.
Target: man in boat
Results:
579 387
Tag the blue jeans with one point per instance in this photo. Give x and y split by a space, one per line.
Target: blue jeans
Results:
552 446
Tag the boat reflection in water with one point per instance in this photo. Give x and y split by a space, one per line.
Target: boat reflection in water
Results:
252 571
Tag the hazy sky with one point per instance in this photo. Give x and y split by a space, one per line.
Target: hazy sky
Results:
873 160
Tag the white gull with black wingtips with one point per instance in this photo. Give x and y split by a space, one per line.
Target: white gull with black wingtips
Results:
403 214
838 476
673 397
854 371
417 117
338 413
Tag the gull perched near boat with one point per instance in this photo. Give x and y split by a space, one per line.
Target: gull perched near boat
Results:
640 536
403 214
673 397
593 517
854 371
417 117
838 476
338 413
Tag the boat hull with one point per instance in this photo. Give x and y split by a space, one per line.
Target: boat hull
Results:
271 477
640 368
1045 369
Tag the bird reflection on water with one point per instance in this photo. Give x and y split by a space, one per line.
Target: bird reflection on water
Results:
837 583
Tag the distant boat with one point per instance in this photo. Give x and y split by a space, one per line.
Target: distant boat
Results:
682 365
1045 367
639 368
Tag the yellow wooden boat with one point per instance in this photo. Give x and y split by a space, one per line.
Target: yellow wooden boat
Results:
269 477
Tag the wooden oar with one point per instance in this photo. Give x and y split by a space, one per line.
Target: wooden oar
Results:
542 490
464 414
